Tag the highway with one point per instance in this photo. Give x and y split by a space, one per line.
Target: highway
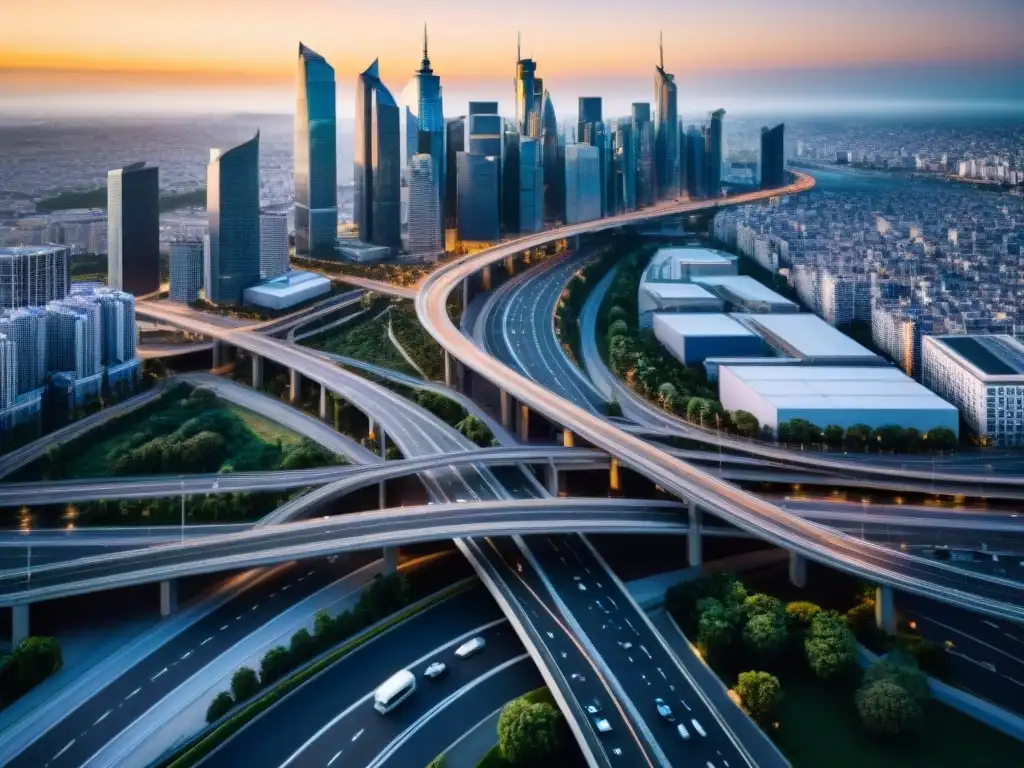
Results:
713 495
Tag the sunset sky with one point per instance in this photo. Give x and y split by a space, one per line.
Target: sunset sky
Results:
239 54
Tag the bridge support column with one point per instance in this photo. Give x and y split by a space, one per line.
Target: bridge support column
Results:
168 597
485 278
390 560
506 409
885 610
323 403
19 624
466 296
371 430
294 382
797 570
551 479
614 482
694 543
568 439
382 486
510 266
524 423
451 371
218 355
257 372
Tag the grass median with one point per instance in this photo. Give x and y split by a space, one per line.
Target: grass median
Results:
194 752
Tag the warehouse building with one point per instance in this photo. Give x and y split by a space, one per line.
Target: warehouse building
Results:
742 293
807 337
983 376
673 297
840 395
691 337
287 290
680 265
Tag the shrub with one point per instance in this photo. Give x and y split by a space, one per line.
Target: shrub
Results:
244 684
761 604
861 618
765 634
902 670
887 709
35 659
829 645
220 706
800 613
760 694
527 732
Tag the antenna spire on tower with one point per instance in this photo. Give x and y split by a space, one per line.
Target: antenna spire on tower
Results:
424 40
519 40
661 50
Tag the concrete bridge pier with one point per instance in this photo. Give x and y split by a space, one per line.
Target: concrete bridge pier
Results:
568 439
294 382
19 624
614 481
323 403
382 486
524 423
797 570
390 560
510 266
218 355
694 543
257 372
552 479
168 597
885 609
506 409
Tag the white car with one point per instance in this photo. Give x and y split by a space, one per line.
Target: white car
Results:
683 733
435 670
602 725
470 647
698 728
664 710
582 587
593 707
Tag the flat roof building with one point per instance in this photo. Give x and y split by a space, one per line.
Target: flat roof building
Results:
287 290
833 395
676 265
983 376
673 297
808 337
745 294
361 252
692 337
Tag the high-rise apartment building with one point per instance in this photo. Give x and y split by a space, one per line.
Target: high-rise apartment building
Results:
715 152
26 328
74 340
378 163
773 159
274 245
643 139
316 157
426 240
233 209
582 183
666 131
8 372
186 263
478 212
590 130
133 229
844 297
31 276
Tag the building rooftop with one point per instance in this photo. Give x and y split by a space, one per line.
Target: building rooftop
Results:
677 291
805 335
990 354
836 388
667 263
289 282
25 250
744 288
692 324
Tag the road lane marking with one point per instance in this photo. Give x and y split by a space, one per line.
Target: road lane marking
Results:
224 627
206 641
187 654
360 733
334 758
102 718
237 618
257 605
273 594
132 694
66 748
161 672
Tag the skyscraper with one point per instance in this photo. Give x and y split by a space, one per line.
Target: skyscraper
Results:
624 167
696 162
26 328
8 372
233 208
484 130
421 113
772 160
455 142
478 214
526 92
643 140
33 275
186 262
425 236
274 245
531 186
590 130
715 140
510 169
377 162
582 183
554 174
316 158
133 228
666 131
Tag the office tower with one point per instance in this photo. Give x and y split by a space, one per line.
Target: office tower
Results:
624 167
425 236
713 167
478 213
233 208
510 169
666 131
526 94
531 186
422 113
590 130
695 163
274 245
554 175
582 183
378 209
643 140
316 158
8 372
31 276
772 160
485 129
26 328
186 264
455 142
117 323
133 229
74 343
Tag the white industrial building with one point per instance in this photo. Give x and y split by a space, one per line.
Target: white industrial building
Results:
678 265
673 297
984 377
833 395
745 294
807 337
287 290
692 337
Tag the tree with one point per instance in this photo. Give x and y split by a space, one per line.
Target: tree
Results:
902 670
617 313
829 645
857 436
717 625
760 694
833 435
325 629
35 659
912 440
618 328
760 604
887 709
527 731
276 663
220 706
800 613
941 439
666 393
302 647
765 634
244 684
746 423
860 619
890 437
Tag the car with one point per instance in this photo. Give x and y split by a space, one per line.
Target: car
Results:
470 647
698 728
582 586
683 733
626 645
602 725
664 710
435 670
593 707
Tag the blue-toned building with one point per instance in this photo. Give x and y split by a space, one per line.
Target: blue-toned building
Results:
715 151
696 163
643 140
378 162
478 212
554 173
624 167
527 120
773 158
133 228
666 132
582 183
232 261
316 157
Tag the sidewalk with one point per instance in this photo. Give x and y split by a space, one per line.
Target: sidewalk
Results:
182 713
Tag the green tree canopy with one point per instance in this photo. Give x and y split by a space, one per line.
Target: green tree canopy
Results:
746 423
941 439
276 663
887 709
302 647
220 706
760 603
35 659
717 625
902 670
800 613
765 634
829 645
527 731
244 684
760 694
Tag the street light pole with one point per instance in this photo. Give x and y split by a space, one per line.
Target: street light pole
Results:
183 510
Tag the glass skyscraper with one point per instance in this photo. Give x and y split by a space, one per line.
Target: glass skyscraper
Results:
554 174
455 142
714 153
582 183
425 236
233 207
696 163
666 132
773 157
378 163
623 167
526 95
133 229
643 140
316 157
478 215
